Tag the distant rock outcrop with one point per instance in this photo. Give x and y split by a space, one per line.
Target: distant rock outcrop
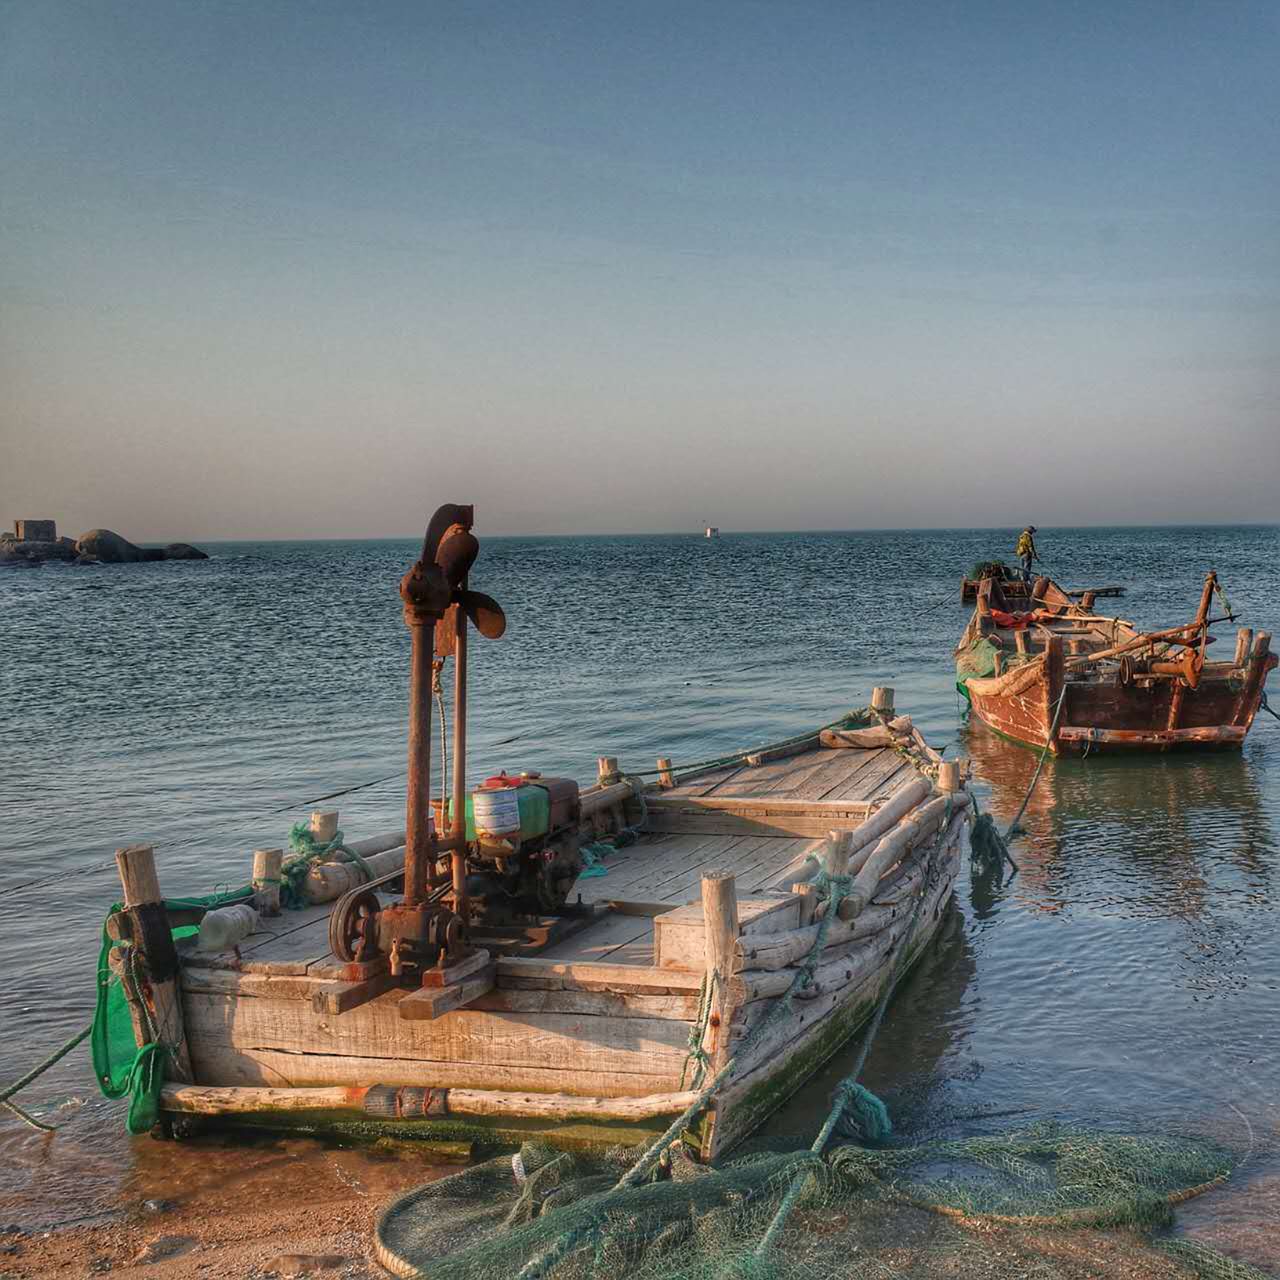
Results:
109 548
35 541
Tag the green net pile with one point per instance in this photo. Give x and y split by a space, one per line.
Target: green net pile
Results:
1044 1201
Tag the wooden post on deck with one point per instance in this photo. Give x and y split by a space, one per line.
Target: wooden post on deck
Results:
1020 641
154 943
720 924
324 825
666 779
1255 675
1244 645
838 852
266 880
949 776
882 701
607 770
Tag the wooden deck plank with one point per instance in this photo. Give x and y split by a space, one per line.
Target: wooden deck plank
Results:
900 776
843 763
863 763
713 851
863 784
600 941
650 858
757 779
704 783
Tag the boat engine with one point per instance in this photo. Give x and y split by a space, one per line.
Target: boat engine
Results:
522 847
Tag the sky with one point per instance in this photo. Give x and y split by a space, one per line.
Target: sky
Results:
308 270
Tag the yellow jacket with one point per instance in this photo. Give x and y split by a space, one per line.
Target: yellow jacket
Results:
1025 545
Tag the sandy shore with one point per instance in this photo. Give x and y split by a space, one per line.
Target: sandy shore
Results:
212 1208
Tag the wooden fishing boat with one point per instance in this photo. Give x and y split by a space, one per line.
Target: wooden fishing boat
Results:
738 923
1062 676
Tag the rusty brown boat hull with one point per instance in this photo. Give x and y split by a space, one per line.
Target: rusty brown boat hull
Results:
1052 682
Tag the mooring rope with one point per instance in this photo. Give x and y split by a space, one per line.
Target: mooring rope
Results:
1035 777
21 1083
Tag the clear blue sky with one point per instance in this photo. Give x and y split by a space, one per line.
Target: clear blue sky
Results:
275 269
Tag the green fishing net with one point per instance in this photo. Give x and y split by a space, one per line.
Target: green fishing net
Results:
120 1065
1043 1201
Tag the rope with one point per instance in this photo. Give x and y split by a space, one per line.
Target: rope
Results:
437 695
848 1088
309 851
1035 777
859 717
595 850
1264 705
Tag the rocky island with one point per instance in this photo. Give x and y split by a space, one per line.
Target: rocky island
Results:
34 542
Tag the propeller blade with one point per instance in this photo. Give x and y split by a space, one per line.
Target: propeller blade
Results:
485 613
456 554
446 516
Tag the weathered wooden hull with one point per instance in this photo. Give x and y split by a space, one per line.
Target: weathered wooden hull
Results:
584 1051
1101 714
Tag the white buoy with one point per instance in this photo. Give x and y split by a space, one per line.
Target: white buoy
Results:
222 929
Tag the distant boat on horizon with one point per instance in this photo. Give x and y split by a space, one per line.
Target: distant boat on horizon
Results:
711 531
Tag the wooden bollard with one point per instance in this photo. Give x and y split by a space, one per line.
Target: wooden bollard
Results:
1020 641
808 895
666 779
1086 601
720 927
838 852
882 701
949 776
324 825
266 880
1244 645
607 770
1261 646
154 943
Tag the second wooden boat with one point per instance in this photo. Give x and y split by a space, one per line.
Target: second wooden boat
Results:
1058 675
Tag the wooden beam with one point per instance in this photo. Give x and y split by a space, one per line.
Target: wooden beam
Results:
210 1100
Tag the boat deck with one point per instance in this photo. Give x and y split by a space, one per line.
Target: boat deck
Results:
690 829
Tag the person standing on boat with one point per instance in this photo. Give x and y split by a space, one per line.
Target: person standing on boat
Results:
1027 551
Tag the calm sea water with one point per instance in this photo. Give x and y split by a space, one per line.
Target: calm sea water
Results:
1129 975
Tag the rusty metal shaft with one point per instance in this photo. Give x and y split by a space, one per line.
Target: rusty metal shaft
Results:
419 852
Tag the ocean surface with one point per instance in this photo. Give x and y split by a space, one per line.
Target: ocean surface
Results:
1129 975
